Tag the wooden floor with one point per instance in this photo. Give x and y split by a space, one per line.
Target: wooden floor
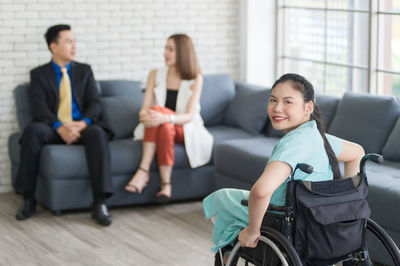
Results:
176 234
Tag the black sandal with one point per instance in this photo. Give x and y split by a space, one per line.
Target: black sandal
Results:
162 198
135 187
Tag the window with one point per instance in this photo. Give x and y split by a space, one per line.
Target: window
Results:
341 45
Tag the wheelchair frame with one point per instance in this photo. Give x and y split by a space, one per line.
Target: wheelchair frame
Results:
282 219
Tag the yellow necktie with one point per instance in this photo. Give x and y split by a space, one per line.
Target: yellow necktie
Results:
65 105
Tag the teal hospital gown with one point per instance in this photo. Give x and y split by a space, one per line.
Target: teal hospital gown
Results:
301 145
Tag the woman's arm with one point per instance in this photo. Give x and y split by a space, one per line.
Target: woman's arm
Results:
351 156
272 177
152 118
148 95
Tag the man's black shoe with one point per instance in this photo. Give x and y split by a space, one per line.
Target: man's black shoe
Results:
101 215
27 208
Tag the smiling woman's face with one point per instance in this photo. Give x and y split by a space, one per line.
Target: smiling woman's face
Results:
286 108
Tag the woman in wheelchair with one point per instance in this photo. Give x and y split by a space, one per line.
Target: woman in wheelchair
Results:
292 108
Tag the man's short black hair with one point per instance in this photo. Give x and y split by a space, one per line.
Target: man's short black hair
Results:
52 33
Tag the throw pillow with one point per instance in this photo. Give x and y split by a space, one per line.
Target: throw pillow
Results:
248 109
218 91
121 114
365 119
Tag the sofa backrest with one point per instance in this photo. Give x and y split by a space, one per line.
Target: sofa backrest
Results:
365 119
218 91
129 88
24 116
328 105
391 149
118 99
121 101
120 105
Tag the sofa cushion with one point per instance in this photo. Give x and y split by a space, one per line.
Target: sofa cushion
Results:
218 91
120 88
248 109
121 114
365 119
244 159
126 155
269 131
391 150
384 193
58 161
223 133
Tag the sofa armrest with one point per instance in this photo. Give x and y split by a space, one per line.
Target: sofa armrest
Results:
14 153
14 146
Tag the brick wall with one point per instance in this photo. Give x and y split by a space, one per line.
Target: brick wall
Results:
121 39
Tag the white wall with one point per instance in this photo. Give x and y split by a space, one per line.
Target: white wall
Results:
257 39
121 39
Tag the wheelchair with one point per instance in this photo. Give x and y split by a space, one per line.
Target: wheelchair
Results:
323 223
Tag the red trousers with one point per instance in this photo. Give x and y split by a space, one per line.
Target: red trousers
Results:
165 136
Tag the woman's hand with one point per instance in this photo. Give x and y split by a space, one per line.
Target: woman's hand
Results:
144 115
248 238
154 118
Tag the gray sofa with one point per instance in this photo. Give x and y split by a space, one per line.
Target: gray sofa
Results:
63 179
235 114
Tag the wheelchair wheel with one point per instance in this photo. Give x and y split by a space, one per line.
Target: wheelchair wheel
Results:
381 247
273 248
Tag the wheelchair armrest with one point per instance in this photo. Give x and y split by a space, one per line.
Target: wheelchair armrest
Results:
277 208
271 207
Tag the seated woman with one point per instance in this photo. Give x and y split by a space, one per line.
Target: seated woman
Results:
171 114
292 108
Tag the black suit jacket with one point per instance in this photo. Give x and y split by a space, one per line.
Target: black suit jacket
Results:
44 92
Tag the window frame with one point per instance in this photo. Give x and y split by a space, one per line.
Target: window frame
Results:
373 69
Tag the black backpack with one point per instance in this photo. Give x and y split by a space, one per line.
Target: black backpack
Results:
330 218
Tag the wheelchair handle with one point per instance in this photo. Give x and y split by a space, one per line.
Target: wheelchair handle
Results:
244 202
306 168
370 156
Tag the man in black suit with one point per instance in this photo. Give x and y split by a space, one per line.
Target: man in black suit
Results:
65 105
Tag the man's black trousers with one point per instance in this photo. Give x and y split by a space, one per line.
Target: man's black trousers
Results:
94 138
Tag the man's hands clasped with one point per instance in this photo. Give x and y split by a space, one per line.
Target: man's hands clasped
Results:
71 132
